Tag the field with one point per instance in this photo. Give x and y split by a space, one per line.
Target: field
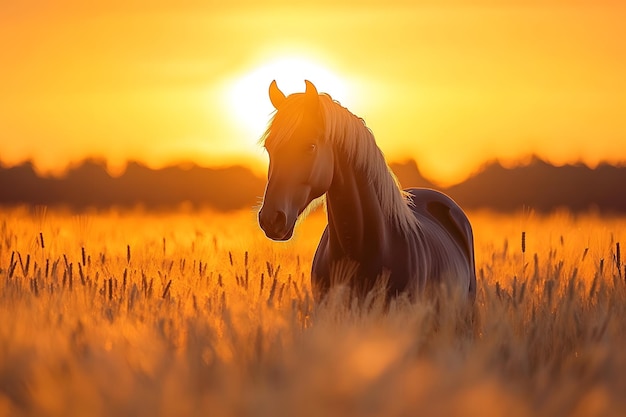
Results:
196 313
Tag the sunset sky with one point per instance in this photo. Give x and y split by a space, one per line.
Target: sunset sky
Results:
452 84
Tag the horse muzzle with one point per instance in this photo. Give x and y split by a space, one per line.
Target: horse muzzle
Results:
275 224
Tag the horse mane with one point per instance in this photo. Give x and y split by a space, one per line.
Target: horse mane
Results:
349 134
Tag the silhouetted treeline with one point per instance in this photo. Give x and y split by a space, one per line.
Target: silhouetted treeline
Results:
545 187
89 185
538 185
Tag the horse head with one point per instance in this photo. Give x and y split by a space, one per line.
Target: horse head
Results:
301 160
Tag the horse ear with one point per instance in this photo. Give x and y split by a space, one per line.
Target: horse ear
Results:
311 94
310 90
276 96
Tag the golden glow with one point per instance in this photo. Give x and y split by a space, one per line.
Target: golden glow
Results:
248 95
452 84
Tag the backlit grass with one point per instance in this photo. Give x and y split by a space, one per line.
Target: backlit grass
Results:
196 313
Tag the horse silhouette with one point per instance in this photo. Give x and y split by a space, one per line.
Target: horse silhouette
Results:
412 240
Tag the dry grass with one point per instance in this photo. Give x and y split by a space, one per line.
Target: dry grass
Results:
135 314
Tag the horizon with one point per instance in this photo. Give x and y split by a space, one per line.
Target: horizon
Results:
536 185
120 170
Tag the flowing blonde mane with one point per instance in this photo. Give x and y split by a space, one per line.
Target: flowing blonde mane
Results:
350 135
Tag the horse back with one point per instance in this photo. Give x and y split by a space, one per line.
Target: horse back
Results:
441 210
445 212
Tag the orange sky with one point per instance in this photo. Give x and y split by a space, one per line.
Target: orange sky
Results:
450 83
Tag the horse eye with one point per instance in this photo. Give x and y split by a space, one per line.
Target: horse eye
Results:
311 148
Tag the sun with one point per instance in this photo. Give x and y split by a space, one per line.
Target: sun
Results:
247 96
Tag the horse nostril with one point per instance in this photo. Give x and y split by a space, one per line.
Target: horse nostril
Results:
273 222
280 220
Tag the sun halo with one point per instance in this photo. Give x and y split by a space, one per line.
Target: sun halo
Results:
247 96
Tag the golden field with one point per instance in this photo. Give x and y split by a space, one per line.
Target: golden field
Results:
134 313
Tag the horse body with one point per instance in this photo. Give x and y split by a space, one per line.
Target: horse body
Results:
439 251
413 239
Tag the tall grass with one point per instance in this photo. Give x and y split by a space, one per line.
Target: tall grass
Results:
133 314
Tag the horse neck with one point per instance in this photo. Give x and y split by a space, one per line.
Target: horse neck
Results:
358 226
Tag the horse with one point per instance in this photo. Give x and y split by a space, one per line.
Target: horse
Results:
413 239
